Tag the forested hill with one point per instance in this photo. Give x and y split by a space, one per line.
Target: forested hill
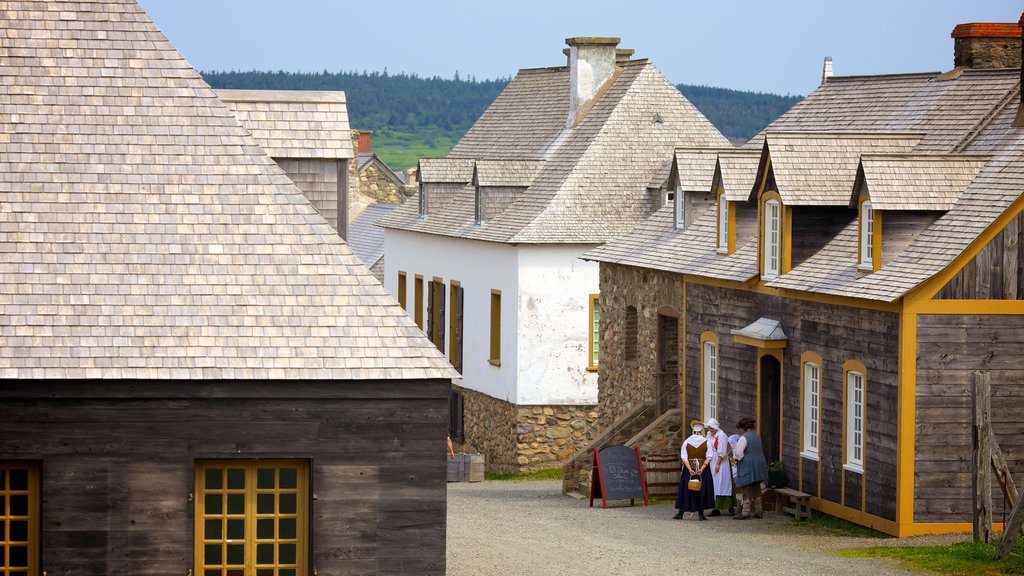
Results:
412 117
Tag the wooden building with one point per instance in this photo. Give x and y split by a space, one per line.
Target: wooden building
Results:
197 376
854 264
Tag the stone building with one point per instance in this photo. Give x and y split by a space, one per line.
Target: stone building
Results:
487 260
841 276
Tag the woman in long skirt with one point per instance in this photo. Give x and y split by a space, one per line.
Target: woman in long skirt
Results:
694 454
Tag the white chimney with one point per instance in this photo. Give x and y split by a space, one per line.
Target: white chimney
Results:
826 69
591 65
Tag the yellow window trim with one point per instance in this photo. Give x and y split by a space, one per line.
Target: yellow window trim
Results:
302 519
594 304
33 494
705 337
810 358
855 366
453 307
417 294
402 281
436 314
494 356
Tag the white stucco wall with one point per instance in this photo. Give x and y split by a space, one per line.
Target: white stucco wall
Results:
479 267
544 306
554 290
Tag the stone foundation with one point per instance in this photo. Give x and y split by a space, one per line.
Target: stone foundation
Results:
516 439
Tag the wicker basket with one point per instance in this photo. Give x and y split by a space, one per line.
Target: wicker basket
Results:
694 484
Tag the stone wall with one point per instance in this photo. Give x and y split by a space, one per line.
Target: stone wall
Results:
624 385
377 187
987 52
516 439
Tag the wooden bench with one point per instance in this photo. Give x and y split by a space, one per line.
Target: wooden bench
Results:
793 502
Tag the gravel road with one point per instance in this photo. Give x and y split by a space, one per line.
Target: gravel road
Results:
531 528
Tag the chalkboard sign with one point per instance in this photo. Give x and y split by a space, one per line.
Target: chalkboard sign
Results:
618 475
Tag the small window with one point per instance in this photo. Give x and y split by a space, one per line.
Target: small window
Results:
401 290
679 204
495 350
631 335
251 517
812 408
417 295
854 421
723 224
19 518
709 376
772 238
455 321
436 311
867 236
595 330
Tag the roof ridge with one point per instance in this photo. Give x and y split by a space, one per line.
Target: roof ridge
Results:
987 119
892 75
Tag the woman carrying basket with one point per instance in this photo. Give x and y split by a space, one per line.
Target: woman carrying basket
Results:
696 487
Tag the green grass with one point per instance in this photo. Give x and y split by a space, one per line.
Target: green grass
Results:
401 150
548 474
961 559
839 526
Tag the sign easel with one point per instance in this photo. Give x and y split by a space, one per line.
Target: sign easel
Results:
617 474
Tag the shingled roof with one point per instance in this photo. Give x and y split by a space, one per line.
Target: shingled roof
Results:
592 184
145 234
928 125
294 123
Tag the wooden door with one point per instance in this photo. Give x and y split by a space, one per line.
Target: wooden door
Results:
770 422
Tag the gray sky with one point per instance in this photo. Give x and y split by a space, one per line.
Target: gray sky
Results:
767 46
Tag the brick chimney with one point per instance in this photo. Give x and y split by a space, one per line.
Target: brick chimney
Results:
987 45
592 65
363 145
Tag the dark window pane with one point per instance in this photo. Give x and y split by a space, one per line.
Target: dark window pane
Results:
236 478
236 503
287 528
214 479
286 554
213 530
235 573
236 529
265 478
3 527
214 504
264 554
19 556
211 573
264 503
19 573
19 505
265 572
3 479
287 503
236 554
212 555
265 529
19 530
288 477
286 572
19 479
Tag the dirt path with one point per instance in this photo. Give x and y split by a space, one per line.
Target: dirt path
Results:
531 528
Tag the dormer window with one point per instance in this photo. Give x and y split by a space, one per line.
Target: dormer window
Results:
772 241
680 212
723 224
867 237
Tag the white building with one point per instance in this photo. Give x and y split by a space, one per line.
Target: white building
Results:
486 261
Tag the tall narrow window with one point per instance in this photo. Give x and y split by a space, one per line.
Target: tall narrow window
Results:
19 518
401 289
436 313
709 365
455 326
854 421
812 408
456 424
679 206
723 224
867 236
495 352
251 517
595 330
417 296
772 238
631 335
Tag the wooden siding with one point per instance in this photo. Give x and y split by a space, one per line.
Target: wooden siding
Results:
746 222
900 228
496 199
949 348
118 461
996 273
837 333
814 227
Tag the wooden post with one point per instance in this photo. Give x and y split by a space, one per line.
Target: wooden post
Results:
1002 472
1010 531
981 479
